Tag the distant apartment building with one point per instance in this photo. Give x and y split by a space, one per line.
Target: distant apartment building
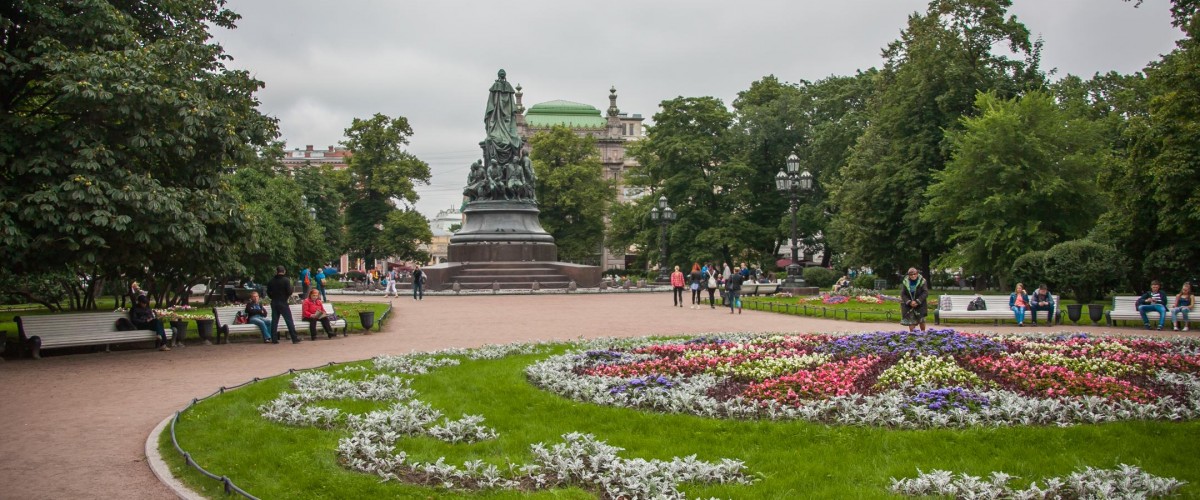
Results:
613 131
334 156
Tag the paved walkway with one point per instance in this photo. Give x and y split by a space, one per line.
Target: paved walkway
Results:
75 425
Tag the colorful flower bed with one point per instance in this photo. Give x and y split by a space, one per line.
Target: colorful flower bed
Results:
903 379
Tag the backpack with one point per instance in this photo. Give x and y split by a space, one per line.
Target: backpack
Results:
124 325
977 304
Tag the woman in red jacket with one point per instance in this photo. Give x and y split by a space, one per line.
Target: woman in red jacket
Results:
313 312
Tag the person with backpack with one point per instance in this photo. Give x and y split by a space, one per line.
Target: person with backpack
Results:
319 280
709 277
305 281
418 284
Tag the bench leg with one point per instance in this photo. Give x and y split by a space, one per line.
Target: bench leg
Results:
35 347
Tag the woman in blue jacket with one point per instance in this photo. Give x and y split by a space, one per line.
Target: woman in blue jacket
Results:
1018 301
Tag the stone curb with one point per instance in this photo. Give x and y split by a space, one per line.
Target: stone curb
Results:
160 468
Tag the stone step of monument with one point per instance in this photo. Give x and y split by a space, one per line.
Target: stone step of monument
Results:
511 279
516 285
508 271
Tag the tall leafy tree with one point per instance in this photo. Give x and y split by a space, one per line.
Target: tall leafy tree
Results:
929 81
692 157
382 176
1022 177
323 191
572 193
117 121
1155 194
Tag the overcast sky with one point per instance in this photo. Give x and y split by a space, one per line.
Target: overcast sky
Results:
325 63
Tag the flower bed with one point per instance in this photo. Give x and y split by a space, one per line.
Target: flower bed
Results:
902 379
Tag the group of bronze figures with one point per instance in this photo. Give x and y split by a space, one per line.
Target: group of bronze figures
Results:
505 173
511 180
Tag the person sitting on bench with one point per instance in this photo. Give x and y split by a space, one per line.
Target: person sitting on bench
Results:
313 312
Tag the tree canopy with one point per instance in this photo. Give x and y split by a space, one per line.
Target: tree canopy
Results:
572 193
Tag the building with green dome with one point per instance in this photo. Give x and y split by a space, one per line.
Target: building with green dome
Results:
612 130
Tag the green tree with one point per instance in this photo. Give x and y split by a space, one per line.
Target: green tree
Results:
117 121
1156 205
281 229
691 155
929 81
382 174
1083 268
323 189
1022 177
403 232
572 193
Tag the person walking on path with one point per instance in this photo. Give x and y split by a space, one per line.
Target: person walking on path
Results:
256 315
1018 302
279 289
710 283
696 278
733 287
677 287
390 288
418 284
1183 305
914 295
1153 301
305 281
319 280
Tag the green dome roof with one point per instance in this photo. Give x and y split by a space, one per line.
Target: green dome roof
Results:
570 114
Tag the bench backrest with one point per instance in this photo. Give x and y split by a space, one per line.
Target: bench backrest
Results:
48 324
959 303
1126 302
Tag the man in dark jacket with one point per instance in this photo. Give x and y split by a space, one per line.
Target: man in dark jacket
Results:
734 292
279 289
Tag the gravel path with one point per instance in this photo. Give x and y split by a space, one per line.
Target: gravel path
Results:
75 425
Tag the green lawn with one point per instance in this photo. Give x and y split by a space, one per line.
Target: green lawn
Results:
791 459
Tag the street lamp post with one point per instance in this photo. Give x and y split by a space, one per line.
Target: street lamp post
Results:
794 183
664 216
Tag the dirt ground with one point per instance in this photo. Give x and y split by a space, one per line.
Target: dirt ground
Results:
75 425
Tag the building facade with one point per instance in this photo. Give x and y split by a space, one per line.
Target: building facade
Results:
442 226
333 156
613 132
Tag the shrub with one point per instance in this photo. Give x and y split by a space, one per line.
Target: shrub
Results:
1030 269
1083 268
819 277
356 275
866 281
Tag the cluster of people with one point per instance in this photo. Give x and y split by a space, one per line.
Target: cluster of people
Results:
1156 301
1041 300
707 277
279 290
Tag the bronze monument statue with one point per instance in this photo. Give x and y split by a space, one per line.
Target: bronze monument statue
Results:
501 239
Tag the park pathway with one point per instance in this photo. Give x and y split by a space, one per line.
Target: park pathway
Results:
75 425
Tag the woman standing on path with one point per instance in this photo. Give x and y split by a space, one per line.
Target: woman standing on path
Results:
913 297
677 287
697 279
710 283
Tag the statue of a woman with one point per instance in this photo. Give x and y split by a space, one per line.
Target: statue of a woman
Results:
500 121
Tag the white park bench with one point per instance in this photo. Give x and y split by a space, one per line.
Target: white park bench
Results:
225 316
52 331
955 307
